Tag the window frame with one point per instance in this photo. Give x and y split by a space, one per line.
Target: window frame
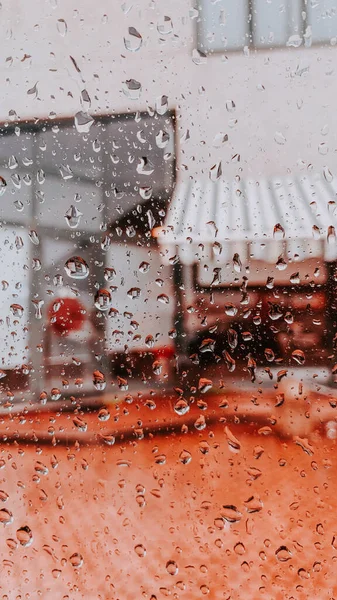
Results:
31 385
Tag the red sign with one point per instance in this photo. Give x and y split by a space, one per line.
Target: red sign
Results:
66 315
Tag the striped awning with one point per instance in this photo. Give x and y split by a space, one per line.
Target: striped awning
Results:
288 217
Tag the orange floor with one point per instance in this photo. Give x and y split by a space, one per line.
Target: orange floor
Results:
186 516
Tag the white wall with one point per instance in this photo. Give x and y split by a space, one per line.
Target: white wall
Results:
300 106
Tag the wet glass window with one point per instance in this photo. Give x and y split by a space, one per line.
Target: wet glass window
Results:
227 25
168 300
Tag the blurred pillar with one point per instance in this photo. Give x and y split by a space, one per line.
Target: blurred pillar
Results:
331 310
178 314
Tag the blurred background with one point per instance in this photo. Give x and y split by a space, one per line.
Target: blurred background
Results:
168 298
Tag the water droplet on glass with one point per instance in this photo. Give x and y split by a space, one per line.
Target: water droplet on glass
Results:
62 27
278 232
145 192
279 138
83 122
237 264
230 513
24 536
6 517
144 267
76 268
134 40
132 89
163 298
34 238
283 554
162 139
12 162
165 26
103 299
73 217
3 186
328 176
185 457
66 172
99 380
144 166
172 567
140 550
181 407
80 424
76 560
233 442
215 172
103 414
331 235
16 310
298 356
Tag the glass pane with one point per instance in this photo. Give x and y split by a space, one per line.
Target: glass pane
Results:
322 18
275 23
223 25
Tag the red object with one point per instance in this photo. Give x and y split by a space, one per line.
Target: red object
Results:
69 317
163 352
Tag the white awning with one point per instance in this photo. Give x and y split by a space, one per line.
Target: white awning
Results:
292 218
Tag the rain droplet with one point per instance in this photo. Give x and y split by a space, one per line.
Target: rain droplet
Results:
103 299
6 517
230 513
62 27
16 310
66 172
80 424
12 162
103 414
165 26
279 138
278 232
140 550
76 560
132 89
215 172
230 309
144 267
163 298
144 166
83 122
34 238
134 40
24 536
283 554
145 192
3 186
73 217
237 264
181 407
185 457
172 567
328 176
331 235
76 268
99 380
233 442
299 356
109 274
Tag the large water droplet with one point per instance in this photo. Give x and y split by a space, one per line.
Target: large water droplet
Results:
73 217
133 41
76 268
103 299
83 122
24 536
